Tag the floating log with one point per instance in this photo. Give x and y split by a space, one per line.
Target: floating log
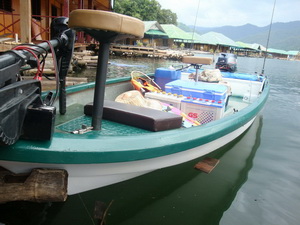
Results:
7 46
207 165
51 84
41 185
45 71
83 62
77 53
90 57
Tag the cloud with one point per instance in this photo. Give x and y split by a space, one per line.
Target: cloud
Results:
214 13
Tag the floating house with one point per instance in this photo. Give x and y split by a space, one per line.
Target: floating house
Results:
220 42
154 34
294 55
247 49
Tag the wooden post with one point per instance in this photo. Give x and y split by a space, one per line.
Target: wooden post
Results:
25 20
80 35
90 4
80 4
66 8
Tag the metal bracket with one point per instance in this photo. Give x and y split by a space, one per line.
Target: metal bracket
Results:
84 129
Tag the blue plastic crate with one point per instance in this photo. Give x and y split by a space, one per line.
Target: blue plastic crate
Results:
164 75
203 90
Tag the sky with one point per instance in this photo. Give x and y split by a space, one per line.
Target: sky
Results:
216 13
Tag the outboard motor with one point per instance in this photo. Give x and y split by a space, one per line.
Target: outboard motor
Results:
227 62
23 112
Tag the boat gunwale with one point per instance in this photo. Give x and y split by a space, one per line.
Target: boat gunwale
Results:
132 147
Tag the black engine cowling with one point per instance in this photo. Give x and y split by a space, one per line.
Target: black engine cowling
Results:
227 62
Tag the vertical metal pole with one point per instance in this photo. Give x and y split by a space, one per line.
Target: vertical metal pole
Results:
100 85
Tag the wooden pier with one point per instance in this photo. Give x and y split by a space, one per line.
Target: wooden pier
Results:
130 50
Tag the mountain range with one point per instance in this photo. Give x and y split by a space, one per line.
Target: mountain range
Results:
284 36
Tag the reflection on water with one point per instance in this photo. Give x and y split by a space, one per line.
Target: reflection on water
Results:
186 196
271 193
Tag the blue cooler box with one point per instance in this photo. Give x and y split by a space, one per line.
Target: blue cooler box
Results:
200 90
164 75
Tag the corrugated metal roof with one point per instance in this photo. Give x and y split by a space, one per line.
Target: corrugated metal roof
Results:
175 32
294 53
277 51
194 36
152 25
243 45
197 38
215 38
149 24
156 33
154 29
254 46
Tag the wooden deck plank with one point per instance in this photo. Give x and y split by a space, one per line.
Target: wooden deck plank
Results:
207 165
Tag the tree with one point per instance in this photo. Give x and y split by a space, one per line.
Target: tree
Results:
166 16
146 10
